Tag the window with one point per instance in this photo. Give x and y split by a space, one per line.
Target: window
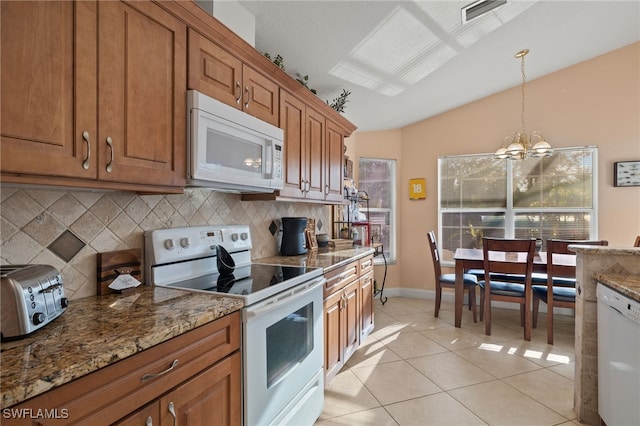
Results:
377 177
553 197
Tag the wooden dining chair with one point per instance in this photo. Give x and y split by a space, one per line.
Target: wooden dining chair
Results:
560 289
637 243
502 258
449 280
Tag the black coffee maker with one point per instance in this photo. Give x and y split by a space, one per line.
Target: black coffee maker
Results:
293 238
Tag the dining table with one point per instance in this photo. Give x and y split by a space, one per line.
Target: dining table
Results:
473 258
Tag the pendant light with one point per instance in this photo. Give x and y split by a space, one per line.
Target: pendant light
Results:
520 145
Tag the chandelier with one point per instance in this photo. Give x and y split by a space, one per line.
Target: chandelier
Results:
520 145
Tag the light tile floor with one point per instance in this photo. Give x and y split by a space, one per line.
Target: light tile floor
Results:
415 369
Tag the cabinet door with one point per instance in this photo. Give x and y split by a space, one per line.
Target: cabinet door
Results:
315 141
351 314
334 335
48 88
366 306
141 94
334 158
292 121
149 415
211 398
261 96
214 71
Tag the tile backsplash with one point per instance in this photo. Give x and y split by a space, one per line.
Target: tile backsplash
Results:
33 222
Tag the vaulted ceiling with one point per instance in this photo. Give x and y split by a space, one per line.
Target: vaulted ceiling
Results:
404 61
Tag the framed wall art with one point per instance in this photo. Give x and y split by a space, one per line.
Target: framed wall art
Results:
626 173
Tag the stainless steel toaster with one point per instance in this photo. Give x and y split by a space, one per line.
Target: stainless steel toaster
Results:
31 296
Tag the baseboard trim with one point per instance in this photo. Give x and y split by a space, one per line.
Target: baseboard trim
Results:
448 296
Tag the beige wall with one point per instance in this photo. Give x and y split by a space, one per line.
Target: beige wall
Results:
596 102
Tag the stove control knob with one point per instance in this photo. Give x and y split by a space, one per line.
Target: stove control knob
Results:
169 245
64 302
234 237
38 318
244 236
185 242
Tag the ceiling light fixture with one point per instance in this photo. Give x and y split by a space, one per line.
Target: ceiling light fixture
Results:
520 145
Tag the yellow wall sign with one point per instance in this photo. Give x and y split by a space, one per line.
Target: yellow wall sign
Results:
417 189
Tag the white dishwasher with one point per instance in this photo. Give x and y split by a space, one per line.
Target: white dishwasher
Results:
618 358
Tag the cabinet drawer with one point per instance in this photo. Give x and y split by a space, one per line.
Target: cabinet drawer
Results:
112 392
366 265
340 277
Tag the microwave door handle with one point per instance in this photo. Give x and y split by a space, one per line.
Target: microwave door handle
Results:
269 160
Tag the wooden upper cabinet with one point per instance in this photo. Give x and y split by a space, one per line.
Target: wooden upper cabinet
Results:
315 141
141 94
292 122
219 74
334 160
93 108
314 152
48 88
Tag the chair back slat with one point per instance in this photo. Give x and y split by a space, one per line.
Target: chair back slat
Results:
433 246
517 257
555 268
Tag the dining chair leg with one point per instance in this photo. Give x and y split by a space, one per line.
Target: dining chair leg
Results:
522 315
472 299
481 304
536 306
487 315
436 311
550 321
527 316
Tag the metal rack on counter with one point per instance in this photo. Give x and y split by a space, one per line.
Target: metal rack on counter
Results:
351 221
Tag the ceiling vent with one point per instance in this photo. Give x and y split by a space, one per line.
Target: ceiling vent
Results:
479 8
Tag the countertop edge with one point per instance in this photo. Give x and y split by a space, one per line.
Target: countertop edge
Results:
632 251
626 284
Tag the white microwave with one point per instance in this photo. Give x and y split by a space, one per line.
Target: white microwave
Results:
230 150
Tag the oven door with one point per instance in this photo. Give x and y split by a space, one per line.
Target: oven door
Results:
283 343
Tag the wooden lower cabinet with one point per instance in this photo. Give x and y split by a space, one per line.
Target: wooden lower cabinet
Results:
366 305
203 387
348 313
148 415
210 398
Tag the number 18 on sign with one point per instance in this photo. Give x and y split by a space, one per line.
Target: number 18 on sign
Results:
417 189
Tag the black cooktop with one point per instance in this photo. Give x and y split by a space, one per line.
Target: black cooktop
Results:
249 281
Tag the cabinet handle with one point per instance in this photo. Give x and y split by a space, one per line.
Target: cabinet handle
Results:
326 189
85 163
308 186
154 375
110 164
172 411
239 91
149 421
246 89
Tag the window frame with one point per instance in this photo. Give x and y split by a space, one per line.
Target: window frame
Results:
510 212
390 252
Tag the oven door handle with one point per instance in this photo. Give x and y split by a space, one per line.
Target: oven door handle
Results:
285 297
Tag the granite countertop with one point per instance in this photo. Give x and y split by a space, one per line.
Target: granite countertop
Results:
618 278
97 331
629 285
325 258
